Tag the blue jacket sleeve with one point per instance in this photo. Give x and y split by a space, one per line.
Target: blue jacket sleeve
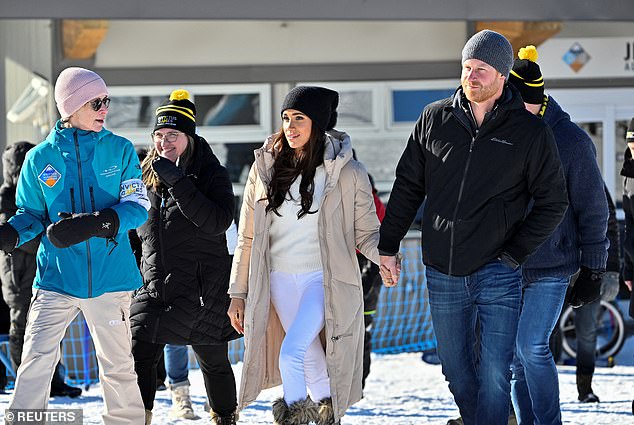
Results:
31 217
133 200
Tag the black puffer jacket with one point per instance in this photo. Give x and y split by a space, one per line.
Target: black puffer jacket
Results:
185 263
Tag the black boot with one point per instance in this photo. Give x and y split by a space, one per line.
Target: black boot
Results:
298 413
230 419
584 388
64 390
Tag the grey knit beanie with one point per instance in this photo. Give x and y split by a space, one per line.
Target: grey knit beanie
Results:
490 47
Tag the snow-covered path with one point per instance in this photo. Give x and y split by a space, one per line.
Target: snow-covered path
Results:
401 390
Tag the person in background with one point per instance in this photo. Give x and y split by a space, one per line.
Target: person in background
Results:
578 244
628 207
586 317
17 270
307 205
184 262
477 159
81 191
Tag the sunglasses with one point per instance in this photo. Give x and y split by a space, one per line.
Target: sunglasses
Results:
96 104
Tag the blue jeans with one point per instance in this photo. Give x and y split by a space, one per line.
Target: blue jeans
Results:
478 375
535 384
176 364
586 318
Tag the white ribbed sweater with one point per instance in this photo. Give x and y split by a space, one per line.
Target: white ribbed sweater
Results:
294 242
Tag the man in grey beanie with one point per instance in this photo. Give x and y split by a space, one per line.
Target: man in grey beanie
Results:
476 159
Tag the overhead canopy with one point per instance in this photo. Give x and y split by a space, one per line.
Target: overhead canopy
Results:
470 10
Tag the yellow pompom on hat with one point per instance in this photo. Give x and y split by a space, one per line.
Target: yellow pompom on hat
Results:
526 76
178 112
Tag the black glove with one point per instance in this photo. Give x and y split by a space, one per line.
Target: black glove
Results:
8 237
167 171
75 228
587 287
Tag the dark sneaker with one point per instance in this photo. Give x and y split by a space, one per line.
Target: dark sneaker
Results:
589 398
65 390
455 421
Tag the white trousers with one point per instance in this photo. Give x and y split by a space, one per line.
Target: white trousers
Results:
108 319
299 302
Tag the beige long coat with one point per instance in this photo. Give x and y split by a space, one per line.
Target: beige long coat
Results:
347 220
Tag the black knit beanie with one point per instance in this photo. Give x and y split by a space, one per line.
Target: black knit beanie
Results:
629 134
318 103
178 113
527 77
492 48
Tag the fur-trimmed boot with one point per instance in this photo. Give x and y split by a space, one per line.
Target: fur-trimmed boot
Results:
326 413
298 413
584 388
231 419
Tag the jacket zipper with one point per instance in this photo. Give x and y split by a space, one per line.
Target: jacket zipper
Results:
161 248
200 284
92 198
462 182
83 209
455 212
72 201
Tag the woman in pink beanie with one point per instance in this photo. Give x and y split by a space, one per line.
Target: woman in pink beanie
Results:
81 189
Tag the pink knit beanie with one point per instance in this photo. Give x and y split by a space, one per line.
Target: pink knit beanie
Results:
75 87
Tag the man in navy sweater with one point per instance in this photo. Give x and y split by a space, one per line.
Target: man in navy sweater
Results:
578 244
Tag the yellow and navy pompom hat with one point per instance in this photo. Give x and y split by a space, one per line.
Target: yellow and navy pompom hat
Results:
178 113
527 77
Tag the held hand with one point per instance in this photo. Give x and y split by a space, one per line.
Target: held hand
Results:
390 269
167 171
628 283
236 314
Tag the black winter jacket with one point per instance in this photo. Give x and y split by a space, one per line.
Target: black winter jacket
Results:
185 263
476 185
17 270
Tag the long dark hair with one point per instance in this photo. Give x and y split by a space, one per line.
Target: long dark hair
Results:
287 166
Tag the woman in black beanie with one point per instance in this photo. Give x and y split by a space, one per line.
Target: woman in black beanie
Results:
184 261
295 283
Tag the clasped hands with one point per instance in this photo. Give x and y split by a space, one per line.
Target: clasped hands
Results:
390 269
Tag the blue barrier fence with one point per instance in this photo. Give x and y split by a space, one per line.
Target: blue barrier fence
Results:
402 324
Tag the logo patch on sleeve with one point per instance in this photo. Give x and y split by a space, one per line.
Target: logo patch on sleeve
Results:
49 176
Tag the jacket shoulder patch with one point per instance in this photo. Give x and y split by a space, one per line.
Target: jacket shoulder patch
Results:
49 176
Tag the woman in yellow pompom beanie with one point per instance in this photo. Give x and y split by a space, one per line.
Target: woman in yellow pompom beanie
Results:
185 263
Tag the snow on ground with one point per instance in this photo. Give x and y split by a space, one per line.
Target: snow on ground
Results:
401 390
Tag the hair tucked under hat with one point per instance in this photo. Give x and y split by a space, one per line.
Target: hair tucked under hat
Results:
318 103
527 77
490 47
178 113
75 87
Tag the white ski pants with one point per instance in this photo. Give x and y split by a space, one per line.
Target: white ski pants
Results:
108 319
299 302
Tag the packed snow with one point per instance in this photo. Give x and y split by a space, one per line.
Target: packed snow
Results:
401 390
